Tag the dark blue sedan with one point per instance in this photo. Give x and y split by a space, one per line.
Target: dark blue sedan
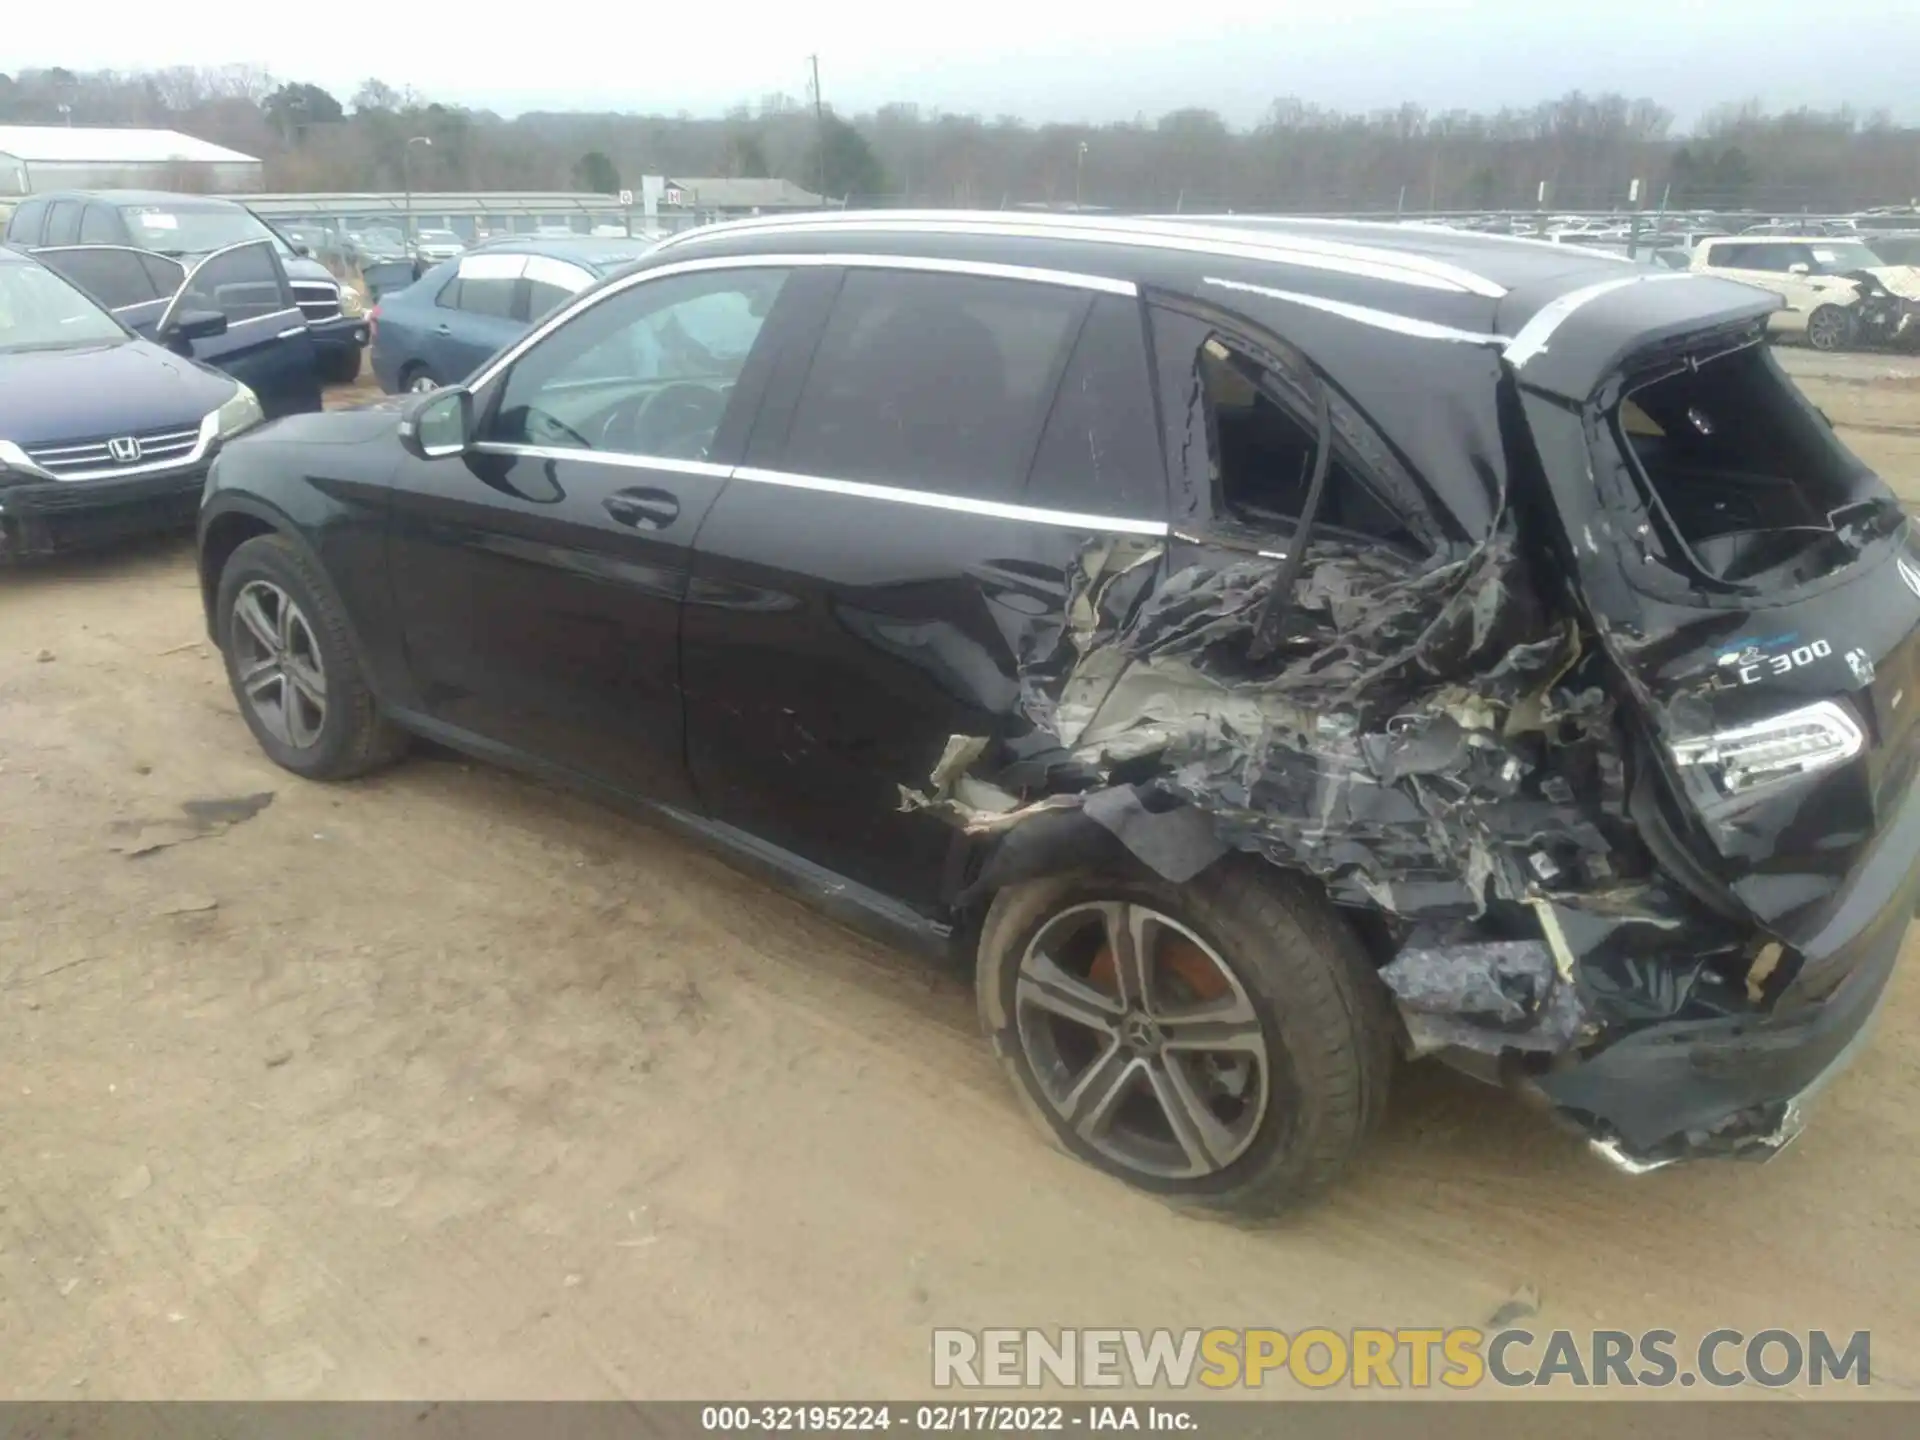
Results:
103 434
440 328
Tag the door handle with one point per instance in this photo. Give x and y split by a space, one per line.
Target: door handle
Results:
643 509
443 328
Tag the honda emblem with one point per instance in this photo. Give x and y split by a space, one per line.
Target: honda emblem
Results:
125 449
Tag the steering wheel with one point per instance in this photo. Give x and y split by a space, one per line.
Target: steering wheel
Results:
543 428
677 420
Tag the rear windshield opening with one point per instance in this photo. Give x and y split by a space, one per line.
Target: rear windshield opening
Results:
1744 476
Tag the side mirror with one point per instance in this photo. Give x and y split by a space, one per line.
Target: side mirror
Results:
1799 267
195 325
437 424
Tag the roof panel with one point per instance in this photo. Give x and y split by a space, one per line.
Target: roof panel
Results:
80 145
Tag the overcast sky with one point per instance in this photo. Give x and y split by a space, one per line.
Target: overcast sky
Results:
1039 59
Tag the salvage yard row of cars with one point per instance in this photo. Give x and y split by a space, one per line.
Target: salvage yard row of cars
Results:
1259 649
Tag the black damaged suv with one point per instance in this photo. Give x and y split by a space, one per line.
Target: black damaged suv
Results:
1259 647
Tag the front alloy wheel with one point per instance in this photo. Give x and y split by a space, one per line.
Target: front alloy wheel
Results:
277 665
293 666
1829 328
1142 1040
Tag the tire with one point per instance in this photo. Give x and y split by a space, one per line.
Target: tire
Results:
1829 328
416 376
340 367
1298 981
344 734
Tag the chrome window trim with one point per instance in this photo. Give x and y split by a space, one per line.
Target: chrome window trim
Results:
604 457
959 504
16 459
1366 315
826 485
929 264
1312 252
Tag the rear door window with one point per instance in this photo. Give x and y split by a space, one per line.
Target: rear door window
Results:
117 279
485 285
63 223
1260 424
933 381
1100 451
98 227
551 282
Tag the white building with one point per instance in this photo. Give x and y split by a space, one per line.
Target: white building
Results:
38 158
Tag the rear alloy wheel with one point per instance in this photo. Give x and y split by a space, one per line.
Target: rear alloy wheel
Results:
1141 1039
1829 328
419 380
1225 1043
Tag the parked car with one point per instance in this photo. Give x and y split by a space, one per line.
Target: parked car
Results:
103 435
186 228
457 314
433 246
378 243
1254 647
1838 292
262 342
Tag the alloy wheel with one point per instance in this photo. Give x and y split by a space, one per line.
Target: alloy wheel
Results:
1142 1039
423 383
1827 328
277 664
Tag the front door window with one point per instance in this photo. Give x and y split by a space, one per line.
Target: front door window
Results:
648 371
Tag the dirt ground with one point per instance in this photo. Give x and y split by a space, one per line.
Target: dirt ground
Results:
443 1083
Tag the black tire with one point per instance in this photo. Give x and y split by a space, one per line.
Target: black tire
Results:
1326 1019
340 367
1829 328
416 376
353 737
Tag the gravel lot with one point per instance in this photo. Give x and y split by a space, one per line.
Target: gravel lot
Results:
443 1083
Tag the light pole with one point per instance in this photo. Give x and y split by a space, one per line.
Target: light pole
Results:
406 182
1079 163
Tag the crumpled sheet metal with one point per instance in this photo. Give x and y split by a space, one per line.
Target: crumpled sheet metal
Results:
1484 995
1415 741
1425 741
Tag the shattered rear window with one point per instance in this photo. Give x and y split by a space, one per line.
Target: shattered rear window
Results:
1742 477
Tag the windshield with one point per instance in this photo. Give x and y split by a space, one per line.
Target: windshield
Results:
195 229
438 237
40 311
1837 257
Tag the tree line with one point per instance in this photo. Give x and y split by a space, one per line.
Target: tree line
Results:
1585 150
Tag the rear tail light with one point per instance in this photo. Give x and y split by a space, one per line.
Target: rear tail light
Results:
1750 757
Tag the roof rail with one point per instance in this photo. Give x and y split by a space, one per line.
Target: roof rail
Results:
1313 252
